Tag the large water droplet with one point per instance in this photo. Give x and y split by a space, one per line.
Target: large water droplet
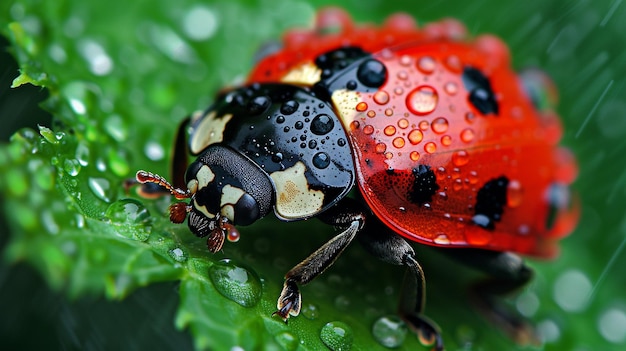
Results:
130 218
337 336
200 23
422 100
236 283
101 187
389 331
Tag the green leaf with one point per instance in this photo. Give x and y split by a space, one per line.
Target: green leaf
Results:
120 77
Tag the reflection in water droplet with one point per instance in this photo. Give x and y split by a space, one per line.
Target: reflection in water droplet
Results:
337 336
415 136
426 65
236 283
381 97
430 147
612 325
440 125
361 106
389 331
571 290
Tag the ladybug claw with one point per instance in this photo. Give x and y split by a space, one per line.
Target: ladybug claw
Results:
289 302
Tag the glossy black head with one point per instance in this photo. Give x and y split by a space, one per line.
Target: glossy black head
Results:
226 184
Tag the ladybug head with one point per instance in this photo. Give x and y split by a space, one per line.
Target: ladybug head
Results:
226 189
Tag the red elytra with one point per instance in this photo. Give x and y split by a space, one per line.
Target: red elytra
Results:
421 116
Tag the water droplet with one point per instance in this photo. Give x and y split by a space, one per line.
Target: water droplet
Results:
178 254
423 125
446 140
200 23
341 142
288 341
460 158
117 128
337 336
612 325
154 151
100 63
442 239
389 331
101 187
389 130
470 117
118 163
388 112
354 125
130 218
414 155
415 136
398 91
514 193
403 123
549 331
289 107
439 125
467 135
527 303
381 147
430 147
258 104
450 88
453 63
422 100
368 129
402 75
71 167
342 302
371 113
82 153
321 160
299 125
381 97
571 290
398 142
372 73
405 60
426 65
236 283
322 124
310 311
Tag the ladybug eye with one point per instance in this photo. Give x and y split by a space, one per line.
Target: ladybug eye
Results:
539 88
480 93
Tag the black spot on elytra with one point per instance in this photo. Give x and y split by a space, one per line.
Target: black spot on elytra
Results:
424 185
490 202
481 95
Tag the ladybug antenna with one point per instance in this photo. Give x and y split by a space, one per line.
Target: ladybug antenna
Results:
144 177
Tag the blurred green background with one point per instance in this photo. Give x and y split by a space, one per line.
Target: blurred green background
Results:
119 77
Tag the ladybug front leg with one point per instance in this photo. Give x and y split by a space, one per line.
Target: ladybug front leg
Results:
507 274
392 248
351 221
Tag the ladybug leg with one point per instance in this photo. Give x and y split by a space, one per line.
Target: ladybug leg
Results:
393 249
507 274
290 302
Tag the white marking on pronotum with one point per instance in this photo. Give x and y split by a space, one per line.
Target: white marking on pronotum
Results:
209 131
204 176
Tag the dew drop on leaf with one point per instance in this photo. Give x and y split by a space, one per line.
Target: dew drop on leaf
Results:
389 331
101 187
337 336
178 254
310 311
130 219
236 283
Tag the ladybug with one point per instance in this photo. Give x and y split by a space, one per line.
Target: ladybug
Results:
447 145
